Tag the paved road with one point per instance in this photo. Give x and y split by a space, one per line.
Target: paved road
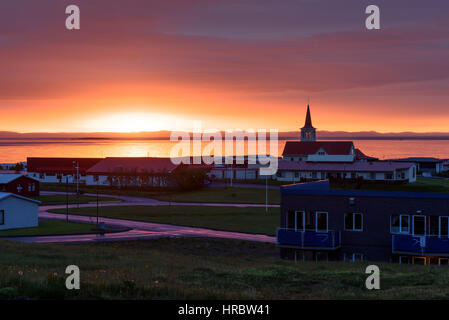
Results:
139 229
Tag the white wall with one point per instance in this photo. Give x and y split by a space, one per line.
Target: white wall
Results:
19 213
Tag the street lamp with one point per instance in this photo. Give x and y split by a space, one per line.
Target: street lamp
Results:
77 167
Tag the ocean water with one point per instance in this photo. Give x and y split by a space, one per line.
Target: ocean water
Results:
18 150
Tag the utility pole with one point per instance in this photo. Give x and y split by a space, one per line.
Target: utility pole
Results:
67 197
77 167
97 204
266 194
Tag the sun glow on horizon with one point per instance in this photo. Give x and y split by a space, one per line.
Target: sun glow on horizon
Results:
137 122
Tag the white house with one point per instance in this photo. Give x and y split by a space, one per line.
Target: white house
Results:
17 211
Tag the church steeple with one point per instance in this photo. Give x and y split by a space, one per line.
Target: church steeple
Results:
308 123
308 132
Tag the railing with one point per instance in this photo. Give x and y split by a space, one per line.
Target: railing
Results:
420 244
312 239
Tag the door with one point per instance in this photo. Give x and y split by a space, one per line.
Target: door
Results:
419 225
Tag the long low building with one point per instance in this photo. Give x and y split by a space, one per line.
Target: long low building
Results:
375 171
319 223
123 171
60 170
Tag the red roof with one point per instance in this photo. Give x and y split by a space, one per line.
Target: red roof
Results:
60 165
375 166
134 164
304 148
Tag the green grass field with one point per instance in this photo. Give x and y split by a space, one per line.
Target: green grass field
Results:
218 195
201 269
224 195
250 220
51 227
62 199
254 195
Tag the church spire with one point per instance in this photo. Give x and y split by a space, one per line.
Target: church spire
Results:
308 123
308 132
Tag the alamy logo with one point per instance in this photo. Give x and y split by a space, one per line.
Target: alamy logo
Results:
373 280
73 280
206 147
373 20
73 20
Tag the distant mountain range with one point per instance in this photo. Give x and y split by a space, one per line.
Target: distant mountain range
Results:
165 135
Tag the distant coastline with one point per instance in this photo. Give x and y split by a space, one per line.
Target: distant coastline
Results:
165 136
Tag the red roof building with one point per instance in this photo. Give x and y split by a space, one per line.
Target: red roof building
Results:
19 184
132 165
54 166
305 148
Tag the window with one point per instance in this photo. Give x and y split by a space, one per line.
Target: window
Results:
2 217
443 261
444 222
399 223
321 256
388 176
419 225
310 220
419 260
321 221
295 220
404 260
352 257
434 225
29 187
353 222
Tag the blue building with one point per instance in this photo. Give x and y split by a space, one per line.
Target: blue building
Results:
319 223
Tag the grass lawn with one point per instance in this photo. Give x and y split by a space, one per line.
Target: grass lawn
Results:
251 220
224 195
62 199
201 269
421 185
51 227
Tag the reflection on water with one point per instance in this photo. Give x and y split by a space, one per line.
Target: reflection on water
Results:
19 150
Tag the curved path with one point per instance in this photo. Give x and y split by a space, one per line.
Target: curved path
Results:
139 229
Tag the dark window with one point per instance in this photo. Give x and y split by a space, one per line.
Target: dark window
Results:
349 222
419 225
321 223
299 220
353 221
310 220
444 221
2 217
404 260
394 223
434 225
405 223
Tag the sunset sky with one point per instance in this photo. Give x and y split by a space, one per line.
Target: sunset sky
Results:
144 65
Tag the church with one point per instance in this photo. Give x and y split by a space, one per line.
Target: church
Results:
309 159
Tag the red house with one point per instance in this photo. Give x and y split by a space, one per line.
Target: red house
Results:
19 184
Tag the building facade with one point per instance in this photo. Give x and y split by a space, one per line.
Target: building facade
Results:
19 184
17 211
318 223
